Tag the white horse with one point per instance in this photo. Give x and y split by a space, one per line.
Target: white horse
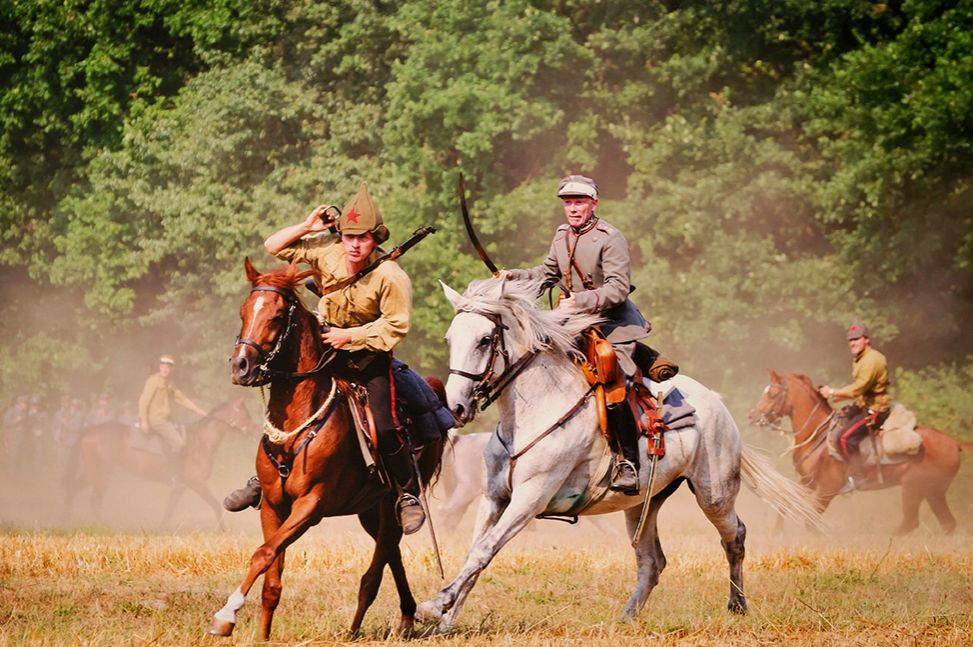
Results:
464 477
549 426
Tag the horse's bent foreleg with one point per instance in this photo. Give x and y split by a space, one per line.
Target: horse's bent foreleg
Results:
270 595
526 503
301 518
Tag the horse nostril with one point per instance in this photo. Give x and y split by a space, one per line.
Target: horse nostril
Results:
459 411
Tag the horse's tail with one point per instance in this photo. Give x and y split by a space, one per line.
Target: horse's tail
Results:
791 500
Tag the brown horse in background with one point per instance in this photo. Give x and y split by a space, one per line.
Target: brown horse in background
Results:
924 478
319 471
104 446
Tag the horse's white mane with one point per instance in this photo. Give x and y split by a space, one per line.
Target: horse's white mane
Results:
537 329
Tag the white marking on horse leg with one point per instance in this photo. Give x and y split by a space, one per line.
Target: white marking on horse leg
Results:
233 604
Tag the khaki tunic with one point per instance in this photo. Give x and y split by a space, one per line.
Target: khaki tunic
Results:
157 396
870 381
602 256
375 310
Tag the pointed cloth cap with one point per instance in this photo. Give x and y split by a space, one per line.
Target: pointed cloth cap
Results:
856 330
361 216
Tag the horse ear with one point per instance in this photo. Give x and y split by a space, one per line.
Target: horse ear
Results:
252 274
454 297
774 377
495 292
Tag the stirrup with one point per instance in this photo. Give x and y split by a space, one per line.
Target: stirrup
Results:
624 478
249 496
409 512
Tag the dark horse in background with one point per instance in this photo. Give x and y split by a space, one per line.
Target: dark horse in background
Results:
924 478
326 474
107 445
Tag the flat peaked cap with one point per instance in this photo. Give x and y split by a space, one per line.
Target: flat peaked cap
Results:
577 185
856 330
166 359
361 216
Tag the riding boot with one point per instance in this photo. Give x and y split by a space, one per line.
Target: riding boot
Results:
625 475
407 507
248 496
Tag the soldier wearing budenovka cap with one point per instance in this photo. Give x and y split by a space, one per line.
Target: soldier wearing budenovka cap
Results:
366 320
591 258
870 391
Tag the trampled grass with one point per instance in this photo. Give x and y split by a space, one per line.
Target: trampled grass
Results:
552 587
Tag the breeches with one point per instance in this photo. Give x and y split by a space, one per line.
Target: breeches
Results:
170 432
374 371
858 424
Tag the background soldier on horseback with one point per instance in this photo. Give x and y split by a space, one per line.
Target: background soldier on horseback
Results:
869 390
155 406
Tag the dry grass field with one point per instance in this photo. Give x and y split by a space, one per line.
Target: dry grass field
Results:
557 585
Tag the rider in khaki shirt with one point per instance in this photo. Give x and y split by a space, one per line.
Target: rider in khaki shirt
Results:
365 321
155 408
869 390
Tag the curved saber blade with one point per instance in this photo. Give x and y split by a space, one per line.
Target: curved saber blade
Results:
469 229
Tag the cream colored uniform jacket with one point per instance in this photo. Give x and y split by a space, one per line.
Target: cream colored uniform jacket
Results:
870 381
157 396
375 310
602 255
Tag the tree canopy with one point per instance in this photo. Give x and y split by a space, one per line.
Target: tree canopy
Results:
780 169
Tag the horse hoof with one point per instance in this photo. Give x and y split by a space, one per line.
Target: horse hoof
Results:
220 627
738 606
429 611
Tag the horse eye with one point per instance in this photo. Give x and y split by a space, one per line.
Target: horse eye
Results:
484 342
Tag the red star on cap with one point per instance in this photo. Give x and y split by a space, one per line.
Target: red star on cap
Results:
353 216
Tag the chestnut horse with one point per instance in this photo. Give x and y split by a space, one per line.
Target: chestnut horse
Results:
924 478
318 471
104 446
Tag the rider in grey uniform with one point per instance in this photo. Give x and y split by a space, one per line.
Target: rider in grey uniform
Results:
591 258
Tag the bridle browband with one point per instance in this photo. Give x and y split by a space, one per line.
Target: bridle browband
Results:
265 373
486 392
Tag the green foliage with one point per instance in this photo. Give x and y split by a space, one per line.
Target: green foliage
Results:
780 168
940 396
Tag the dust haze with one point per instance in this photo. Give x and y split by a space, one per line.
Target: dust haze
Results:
42 432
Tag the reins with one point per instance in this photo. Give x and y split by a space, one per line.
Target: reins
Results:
266 357
560 421
791 434
485 392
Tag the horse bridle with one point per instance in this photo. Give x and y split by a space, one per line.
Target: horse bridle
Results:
486 391
264 372
777 406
